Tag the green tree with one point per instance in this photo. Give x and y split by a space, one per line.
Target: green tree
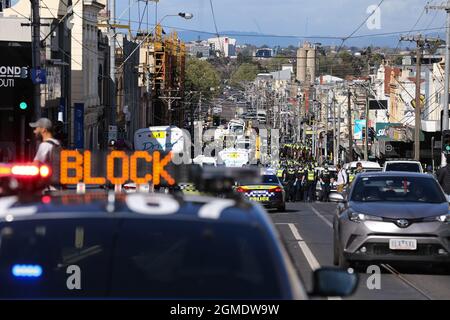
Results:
246 72
201 77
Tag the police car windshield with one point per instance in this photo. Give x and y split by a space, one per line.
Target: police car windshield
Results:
133 258
397 189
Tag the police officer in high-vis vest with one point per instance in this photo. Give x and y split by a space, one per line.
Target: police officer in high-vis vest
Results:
310 178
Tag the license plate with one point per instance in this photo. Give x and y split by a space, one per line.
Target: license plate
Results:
233 155
403 244
260 199
158 134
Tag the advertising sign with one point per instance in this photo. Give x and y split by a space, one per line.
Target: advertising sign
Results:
15 62
358 129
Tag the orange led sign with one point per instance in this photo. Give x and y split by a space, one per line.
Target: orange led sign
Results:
120 168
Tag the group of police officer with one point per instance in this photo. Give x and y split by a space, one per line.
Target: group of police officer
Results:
300 180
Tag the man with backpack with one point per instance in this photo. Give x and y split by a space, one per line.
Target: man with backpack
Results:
342 178
49 145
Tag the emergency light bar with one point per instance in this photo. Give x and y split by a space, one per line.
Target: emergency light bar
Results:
24 170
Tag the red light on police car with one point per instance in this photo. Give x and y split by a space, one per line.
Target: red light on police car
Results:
25 170
46 199
240 189
277 189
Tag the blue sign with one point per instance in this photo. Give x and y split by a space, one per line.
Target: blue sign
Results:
38 76
79 125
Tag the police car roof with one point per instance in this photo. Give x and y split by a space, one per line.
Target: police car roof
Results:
136 205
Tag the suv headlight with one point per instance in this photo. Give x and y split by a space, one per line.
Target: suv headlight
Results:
359 217
445 218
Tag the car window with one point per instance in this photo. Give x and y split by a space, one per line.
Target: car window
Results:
397 189
408 167
270 179
136 258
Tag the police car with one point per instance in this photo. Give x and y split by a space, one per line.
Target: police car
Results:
144 245
269 191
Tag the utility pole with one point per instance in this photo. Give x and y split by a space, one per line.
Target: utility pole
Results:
418 106
327 106
333 108
36 55
338 142
350 133
169 100
112 59
366 129
421 42
445 124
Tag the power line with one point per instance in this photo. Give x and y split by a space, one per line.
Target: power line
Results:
215 26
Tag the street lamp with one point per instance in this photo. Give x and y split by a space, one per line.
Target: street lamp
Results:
186 15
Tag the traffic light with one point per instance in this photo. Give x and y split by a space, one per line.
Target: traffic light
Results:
446 141
23 105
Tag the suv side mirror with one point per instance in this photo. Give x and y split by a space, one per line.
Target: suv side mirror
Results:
336 197
334 282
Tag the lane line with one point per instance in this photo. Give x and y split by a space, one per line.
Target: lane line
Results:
328 223
295 232
310 258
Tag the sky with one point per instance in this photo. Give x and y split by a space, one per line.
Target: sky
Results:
293 17
338 18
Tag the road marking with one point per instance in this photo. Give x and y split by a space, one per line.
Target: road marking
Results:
295 232
328 223
312 261
310 258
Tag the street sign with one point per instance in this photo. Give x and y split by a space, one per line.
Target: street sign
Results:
79 125
38 76
112 133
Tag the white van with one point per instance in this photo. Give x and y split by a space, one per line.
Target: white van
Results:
232 157
160 138
367 166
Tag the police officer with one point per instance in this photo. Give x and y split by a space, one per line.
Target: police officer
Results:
299 184
310 179
290 180
325 179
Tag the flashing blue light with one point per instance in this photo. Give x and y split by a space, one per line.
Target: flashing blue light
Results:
27 270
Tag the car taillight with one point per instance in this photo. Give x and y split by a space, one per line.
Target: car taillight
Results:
240 189
277 189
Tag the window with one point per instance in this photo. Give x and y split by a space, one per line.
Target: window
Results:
138 258
406 167
397 189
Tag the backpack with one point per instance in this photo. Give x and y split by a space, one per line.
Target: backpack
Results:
55 153
53 160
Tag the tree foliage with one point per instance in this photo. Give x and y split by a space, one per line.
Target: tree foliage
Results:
201 76
246 72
